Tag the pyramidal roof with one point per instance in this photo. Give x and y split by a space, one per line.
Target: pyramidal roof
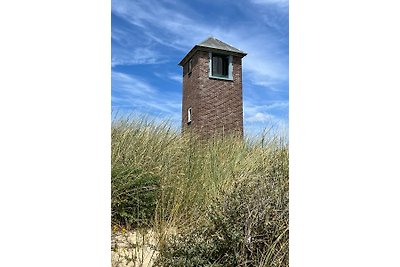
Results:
212 44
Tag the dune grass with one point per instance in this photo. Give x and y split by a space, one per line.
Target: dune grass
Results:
220 202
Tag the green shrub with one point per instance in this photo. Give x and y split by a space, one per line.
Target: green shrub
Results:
246 226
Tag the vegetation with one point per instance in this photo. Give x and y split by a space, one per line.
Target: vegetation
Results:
220 202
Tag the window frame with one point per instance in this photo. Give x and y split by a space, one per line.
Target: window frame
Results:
190 66
230 66
189 115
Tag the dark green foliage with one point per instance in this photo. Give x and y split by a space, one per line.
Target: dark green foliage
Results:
134 196
246 227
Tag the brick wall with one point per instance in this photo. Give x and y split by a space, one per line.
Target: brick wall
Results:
217 105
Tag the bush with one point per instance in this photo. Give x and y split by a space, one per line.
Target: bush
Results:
246 226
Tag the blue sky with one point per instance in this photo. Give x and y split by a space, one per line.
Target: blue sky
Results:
150 37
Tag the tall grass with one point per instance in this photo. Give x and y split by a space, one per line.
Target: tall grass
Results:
216 202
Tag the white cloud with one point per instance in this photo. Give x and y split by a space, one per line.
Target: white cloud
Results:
136 56
263 65
175 77
265 122
136 94
269 2
257 118
260 117
131 85
253 108
153 15
170 76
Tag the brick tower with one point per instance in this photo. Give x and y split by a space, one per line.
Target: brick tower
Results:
212 89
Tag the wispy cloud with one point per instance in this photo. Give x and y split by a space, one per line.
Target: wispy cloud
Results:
170 76
175 77
137 56
271 2
131 85
168 26
252 107
262 67
128 49
260 117
130 92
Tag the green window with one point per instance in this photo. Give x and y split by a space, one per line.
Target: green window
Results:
190 66
220 65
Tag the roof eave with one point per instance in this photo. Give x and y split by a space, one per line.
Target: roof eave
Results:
188 55
208 49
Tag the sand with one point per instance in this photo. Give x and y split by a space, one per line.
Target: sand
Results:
133 248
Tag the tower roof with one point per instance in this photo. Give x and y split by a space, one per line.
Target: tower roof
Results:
213 44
